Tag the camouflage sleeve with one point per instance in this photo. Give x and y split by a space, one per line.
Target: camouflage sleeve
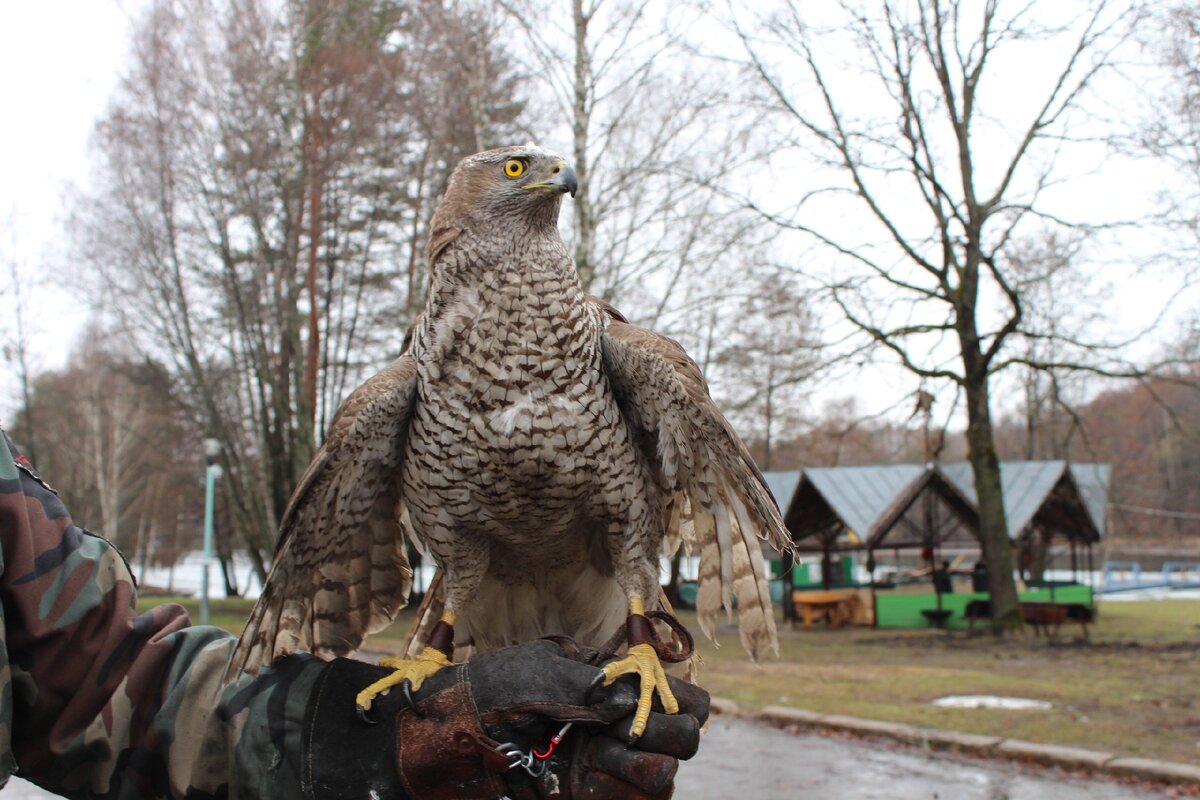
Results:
97 700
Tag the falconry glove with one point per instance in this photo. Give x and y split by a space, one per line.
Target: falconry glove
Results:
476 731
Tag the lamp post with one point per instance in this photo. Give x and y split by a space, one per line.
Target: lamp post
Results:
212 471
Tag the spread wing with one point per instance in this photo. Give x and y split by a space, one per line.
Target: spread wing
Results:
721 504
340 571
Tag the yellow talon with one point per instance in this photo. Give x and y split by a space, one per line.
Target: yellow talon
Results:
643 661
415 670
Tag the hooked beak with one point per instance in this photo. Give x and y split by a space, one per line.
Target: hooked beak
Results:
566 181
560 180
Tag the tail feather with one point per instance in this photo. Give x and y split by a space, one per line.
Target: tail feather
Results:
674 534
708 588
725 543
687 525
756 617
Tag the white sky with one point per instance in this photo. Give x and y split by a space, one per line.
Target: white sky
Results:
59 60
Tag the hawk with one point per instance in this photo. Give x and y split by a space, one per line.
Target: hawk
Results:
541 448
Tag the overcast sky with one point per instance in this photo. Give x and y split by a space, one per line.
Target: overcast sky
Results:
59 60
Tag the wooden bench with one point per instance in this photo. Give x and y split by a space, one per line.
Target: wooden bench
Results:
1050 616
1042 616
838 606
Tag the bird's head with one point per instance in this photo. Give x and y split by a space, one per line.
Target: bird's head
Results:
523 183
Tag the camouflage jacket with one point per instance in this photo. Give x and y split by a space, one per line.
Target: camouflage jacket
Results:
97 700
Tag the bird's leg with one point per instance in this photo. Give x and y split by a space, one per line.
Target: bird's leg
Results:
433 657
464 563
642 659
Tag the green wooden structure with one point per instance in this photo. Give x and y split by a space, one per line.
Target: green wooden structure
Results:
903 610
839 511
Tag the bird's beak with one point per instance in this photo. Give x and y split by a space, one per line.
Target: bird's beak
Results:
560 179
565 180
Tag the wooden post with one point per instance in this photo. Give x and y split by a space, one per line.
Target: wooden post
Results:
874 598
826 564
787 567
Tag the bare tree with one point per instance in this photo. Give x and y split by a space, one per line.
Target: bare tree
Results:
768 360
15 342
265 173
1171 132
901 103
650 134
114 439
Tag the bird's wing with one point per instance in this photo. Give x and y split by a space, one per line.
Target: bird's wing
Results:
719 503
340 571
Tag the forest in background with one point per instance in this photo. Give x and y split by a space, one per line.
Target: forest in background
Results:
266 171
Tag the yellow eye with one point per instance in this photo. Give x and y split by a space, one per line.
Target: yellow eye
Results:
514 168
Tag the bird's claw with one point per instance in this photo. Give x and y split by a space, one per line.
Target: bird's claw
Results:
406 688
409 674
597 682
643 661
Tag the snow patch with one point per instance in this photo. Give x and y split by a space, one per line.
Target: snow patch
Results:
991 701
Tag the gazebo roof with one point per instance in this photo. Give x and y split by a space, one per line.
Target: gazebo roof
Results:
1093 481
1056 496
930 512
782 486
861 495
903 505
839 507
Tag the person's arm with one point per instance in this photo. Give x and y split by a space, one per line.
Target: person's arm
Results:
100 700
96 699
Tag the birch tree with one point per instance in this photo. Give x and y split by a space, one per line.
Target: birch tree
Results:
647 126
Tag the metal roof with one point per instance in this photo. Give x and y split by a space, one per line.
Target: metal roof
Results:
843 503
1026 486
929 512
1093 481
860 495
782 486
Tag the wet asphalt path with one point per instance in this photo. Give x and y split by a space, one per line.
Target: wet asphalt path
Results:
745 760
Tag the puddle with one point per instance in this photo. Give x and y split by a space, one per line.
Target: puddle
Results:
991 701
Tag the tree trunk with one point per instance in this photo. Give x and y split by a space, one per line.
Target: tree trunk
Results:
993 526
228 576
30 445
766 465
672 588
1039 552
308 411
584 224
786 570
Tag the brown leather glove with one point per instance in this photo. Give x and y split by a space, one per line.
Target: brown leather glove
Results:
469 732
595 762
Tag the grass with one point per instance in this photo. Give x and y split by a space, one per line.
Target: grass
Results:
1133 689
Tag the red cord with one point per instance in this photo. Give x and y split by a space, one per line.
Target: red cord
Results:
554 742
